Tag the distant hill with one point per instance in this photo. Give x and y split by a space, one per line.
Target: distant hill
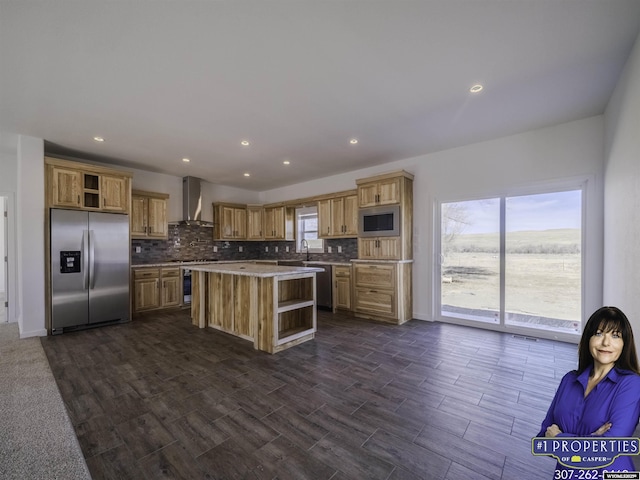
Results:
556 241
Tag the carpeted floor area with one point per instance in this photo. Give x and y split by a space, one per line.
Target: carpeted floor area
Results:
37 440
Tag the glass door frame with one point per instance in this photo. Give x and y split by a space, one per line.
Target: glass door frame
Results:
501 325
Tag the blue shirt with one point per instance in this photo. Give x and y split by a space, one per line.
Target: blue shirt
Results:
615 399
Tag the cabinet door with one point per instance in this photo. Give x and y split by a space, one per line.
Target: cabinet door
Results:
171 290
114 193
368 194
158 227
226 222
388 248
255 216
146 294
139 220
389 191
66 185
274 223
342 292
337 217
240 223
351 215
379 248
367 248
324 218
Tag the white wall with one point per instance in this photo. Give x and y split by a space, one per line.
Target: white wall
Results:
2 246
622 194
172 185
571 151
30 221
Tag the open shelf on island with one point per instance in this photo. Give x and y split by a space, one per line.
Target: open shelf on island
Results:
293 304
296 323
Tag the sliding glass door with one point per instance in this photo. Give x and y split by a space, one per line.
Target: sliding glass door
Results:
513 261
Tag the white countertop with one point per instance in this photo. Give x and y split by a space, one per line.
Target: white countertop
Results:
183 264
250 269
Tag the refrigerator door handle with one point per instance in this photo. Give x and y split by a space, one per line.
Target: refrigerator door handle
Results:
92 275
85 260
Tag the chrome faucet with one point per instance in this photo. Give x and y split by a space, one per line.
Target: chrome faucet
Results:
305 246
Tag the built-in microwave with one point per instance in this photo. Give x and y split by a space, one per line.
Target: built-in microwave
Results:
379 221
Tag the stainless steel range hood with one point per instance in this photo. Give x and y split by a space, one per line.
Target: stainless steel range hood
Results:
192 202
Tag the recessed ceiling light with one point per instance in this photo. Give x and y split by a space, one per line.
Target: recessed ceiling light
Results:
98 139
247 174
244 143
286 162
353 141
186 160
476 88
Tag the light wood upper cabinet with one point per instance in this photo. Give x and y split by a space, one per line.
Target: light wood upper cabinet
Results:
324 218
230 221
65 186
351 215
338 217
381 192
87 187
149 215
255 222
278 223
114 193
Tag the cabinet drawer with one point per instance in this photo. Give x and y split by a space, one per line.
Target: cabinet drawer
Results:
381 302
146 273
376 276
342 271
170 272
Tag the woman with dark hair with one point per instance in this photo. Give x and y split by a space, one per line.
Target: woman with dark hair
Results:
602 397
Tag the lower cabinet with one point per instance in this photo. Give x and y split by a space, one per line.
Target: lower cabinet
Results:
155 288
382 291
342 288
170 287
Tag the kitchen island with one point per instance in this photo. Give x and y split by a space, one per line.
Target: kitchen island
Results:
272 306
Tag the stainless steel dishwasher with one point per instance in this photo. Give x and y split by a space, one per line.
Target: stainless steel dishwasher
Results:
324 286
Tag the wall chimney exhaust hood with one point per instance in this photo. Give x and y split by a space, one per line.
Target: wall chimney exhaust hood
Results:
192 202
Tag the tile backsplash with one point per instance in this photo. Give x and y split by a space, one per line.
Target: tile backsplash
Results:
194 242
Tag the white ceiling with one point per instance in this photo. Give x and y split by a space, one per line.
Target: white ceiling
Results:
164 80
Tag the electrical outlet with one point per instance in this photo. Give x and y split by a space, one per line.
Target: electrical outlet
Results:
339 249
266 249
329 249
286 249
138 249
215 249
240 249
276 248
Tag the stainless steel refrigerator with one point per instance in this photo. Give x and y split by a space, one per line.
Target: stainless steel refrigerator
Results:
89 268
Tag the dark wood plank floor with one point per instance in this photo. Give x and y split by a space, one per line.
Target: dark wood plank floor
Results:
160 398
